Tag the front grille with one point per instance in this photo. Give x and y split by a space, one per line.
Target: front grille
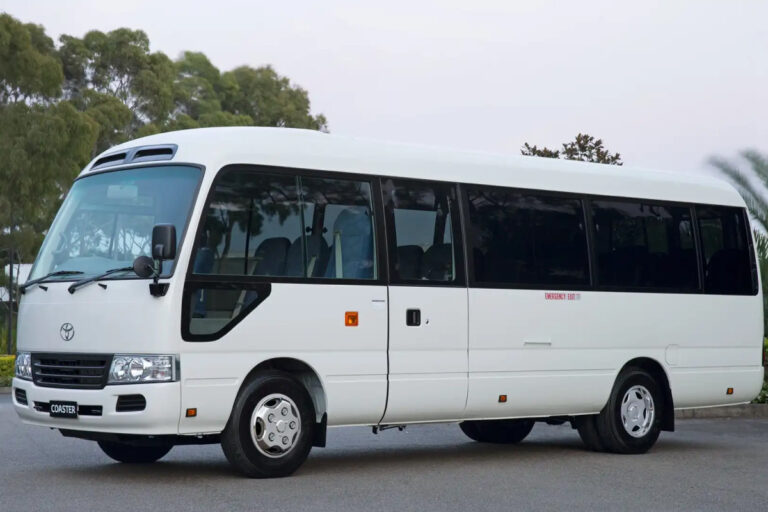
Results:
21 396
130 403
76 371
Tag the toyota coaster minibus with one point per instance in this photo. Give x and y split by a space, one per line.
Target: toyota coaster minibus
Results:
254 286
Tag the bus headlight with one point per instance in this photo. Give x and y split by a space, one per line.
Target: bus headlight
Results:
24 365
137 369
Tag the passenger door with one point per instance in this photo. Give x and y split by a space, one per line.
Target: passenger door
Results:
427 302
285 268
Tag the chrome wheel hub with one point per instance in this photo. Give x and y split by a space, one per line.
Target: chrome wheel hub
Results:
637 411
275 425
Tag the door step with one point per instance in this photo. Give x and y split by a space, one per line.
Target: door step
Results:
379 428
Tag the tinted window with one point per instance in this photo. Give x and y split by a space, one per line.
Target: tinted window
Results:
260 224
422 217
339 227
525 239
725 250
644 245
250 223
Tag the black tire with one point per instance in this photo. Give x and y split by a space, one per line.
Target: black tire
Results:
236 440
497 431
587 428
613 435
131 454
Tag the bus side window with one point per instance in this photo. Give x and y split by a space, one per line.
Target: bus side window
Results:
340 242
725 250
422 215
644 245
521 239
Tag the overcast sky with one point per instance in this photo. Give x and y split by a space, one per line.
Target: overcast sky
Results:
667 84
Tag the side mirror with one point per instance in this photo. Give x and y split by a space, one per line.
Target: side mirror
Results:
144 267
164 242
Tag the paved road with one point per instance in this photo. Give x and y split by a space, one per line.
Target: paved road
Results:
706 465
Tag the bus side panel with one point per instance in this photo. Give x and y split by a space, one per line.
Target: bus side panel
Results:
558 353
304 322
725 352
531 346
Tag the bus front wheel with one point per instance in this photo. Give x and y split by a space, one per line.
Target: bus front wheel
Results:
497 431
269 433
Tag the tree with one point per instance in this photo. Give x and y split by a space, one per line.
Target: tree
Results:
29 67
584 148
752 184
116 79
268 98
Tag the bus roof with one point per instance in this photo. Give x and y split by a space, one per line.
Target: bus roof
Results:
308 149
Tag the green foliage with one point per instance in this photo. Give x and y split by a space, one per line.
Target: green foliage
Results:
584 148
761 247
42 149
29 67
752 183
130 92
762 398
268 99
114 77
7 369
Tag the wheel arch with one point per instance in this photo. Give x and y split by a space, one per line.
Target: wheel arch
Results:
657 371
302 372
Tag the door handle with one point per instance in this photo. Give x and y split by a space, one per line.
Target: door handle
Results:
412 317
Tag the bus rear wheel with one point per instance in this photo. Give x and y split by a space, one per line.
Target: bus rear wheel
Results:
269 433
131 454
631 420
497 431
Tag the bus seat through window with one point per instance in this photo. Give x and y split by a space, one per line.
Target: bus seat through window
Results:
351 256
437 264
317 257
409 258
270 257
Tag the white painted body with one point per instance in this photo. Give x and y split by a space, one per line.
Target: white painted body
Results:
551 358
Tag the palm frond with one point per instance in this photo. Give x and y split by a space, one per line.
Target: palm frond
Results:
759 164
754 198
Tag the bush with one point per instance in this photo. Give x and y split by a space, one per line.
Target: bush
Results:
7 365
762 398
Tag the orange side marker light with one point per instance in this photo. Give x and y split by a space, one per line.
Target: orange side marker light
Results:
502 399
729 391
191 413
351 318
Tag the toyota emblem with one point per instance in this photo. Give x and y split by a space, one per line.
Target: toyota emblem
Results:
67 331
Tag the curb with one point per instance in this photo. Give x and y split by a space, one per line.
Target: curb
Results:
728 411
5 391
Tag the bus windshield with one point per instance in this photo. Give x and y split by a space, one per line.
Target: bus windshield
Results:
106 220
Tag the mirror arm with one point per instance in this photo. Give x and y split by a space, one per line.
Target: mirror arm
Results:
157 289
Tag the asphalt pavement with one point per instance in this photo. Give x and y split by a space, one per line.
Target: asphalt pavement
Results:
706 465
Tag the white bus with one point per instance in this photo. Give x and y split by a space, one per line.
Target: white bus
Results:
254 286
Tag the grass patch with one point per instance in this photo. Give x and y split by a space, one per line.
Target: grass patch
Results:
6 370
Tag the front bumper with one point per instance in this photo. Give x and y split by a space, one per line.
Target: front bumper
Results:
160 416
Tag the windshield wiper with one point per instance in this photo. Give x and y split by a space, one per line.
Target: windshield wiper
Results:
74 286
39 280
